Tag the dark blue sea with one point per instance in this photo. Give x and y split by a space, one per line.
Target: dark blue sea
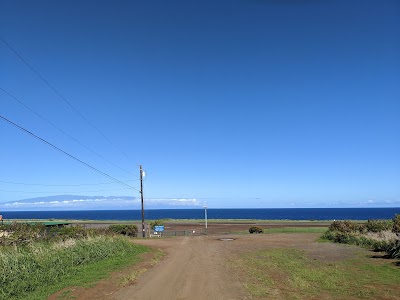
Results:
259 213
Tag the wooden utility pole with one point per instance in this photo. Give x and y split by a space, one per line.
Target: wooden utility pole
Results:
141 195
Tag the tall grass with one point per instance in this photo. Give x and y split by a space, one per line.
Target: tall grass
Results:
349 232
24 269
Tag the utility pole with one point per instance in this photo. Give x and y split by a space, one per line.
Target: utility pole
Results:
141 195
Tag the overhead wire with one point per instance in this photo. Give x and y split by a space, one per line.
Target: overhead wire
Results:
66 153
59 94
82 184
62 131
32 192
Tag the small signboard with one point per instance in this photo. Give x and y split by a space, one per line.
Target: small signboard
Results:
159 228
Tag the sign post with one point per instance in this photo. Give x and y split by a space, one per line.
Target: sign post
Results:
159 228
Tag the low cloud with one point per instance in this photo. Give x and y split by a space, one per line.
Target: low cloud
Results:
91 203
174 202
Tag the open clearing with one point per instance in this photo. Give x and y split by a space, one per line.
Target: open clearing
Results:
266 266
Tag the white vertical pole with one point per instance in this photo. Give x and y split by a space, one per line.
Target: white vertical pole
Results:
205 215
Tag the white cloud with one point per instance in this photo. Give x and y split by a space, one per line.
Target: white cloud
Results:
99 203
174 202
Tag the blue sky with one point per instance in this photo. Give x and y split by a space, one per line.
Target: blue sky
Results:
232 103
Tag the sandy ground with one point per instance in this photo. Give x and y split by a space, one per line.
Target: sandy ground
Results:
196 267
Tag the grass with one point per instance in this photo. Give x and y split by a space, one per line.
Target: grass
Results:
291 274
24 270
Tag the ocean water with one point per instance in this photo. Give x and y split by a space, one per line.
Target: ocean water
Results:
260 213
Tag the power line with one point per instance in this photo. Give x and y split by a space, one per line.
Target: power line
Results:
82 184
66 153
59 94
62 131
31 192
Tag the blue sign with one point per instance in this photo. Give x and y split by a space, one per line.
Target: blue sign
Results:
159 228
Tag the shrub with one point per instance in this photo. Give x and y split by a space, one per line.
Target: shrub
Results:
378 225
255 229
65 233
129 230
22 233
396 224
346 226
380 246
348 232
394 249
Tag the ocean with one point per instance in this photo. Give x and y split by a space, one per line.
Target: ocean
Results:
240 213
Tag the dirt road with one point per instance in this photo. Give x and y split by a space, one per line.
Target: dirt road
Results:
193 269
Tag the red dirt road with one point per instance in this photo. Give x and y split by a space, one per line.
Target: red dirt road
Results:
195 268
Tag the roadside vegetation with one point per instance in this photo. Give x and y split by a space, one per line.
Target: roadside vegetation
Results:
36 261
377 235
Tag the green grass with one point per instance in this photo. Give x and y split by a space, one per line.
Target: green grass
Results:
38 270
291 274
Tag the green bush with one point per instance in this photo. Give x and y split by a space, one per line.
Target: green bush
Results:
346 226
378 225
128 230
348 232
255 229
22 234
359 240
394 249
382 246
64 233
396 224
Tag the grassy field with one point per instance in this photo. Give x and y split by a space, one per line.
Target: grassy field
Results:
24 270
290 274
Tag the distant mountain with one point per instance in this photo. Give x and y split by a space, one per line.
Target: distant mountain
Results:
78 202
